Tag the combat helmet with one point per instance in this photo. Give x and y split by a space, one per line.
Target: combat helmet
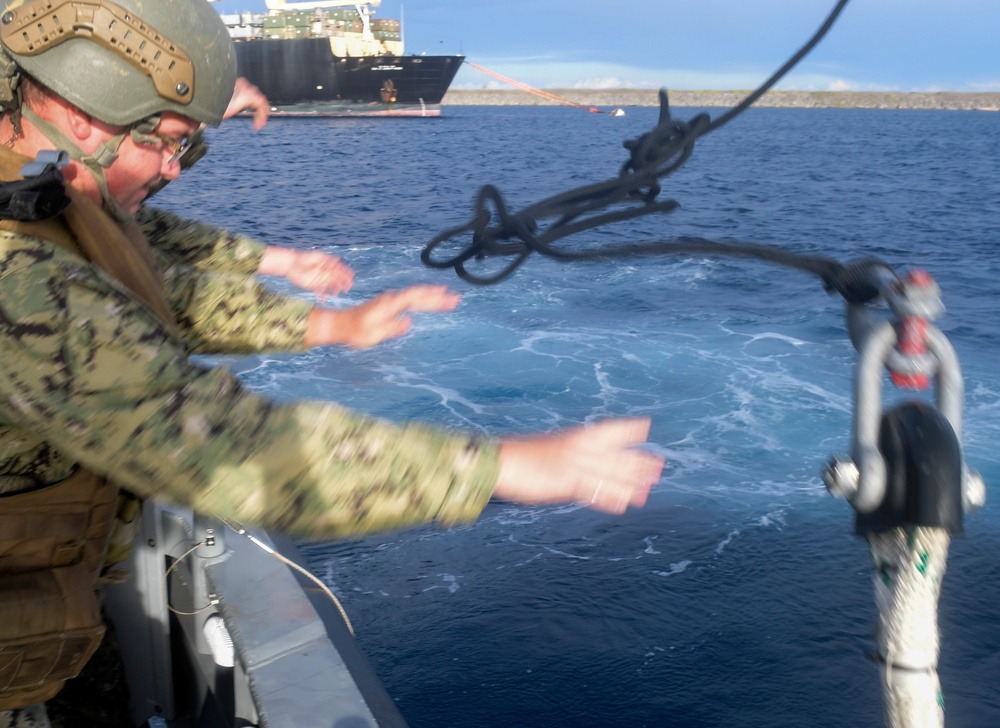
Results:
126 60
123 62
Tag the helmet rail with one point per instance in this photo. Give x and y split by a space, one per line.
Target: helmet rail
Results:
37 26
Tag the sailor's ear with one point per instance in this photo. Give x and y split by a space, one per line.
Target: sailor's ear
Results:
79 123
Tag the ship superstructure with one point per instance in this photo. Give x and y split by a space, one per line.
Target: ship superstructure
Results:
334 58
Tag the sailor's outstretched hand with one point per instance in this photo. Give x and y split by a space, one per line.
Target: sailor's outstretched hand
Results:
386 316
596 465
247 97
312 270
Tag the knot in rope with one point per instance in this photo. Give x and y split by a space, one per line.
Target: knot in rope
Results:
631 194
661 150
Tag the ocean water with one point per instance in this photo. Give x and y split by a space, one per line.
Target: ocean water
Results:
738 596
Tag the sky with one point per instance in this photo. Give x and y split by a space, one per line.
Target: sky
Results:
876 45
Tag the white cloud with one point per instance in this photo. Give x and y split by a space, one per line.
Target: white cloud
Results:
588 75
985 85
599 75
611 82
840 85
826 82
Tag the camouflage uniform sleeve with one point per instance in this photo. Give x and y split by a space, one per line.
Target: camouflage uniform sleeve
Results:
234 314
89 370
199 245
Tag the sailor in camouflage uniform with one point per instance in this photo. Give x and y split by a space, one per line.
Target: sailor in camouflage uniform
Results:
102 305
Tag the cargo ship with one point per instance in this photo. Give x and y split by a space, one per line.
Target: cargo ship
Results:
334 58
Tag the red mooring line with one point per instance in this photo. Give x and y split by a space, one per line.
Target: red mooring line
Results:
536 91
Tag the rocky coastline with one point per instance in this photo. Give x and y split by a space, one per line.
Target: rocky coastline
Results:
613 98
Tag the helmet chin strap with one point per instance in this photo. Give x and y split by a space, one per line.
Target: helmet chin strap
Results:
102 158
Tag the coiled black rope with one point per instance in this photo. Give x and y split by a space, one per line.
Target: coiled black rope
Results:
654 155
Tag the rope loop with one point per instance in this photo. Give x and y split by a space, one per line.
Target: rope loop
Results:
486 240
633 193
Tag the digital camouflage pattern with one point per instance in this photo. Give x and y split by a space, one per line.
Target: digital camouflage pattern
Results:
198 245
208 274
89 376
231 314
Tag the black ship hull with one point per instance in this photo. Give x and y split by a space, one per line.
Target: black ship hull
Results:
302 77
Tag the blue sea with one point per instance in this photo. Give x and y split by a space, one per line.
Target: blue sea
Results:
739 596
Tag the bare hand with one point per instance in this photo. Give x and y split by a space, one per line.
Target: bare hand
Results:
386 316
596 465
247 97
321 273
314 270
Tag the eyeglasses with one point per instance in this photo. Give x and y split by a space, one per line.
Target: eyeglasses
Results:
177 149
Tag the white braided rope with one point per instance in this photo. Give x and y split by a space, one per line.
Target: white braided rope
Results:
34 716
909 565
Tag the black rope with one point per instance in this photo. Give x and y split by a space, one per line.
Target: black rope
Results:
632 194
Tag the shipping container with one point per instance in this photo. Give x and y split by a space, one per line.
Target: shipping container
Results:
387 24
345 14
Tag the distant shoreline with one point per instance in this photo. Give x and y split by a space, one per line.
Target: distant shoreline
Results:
600 98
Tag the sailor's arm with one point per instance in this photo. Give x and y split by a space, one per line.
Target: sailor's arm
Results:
119 395
232 314
228 314
116 393
199 245
206 247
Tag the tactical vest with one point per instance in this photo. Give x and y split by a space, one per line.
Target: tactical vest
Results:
54 538
52 543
